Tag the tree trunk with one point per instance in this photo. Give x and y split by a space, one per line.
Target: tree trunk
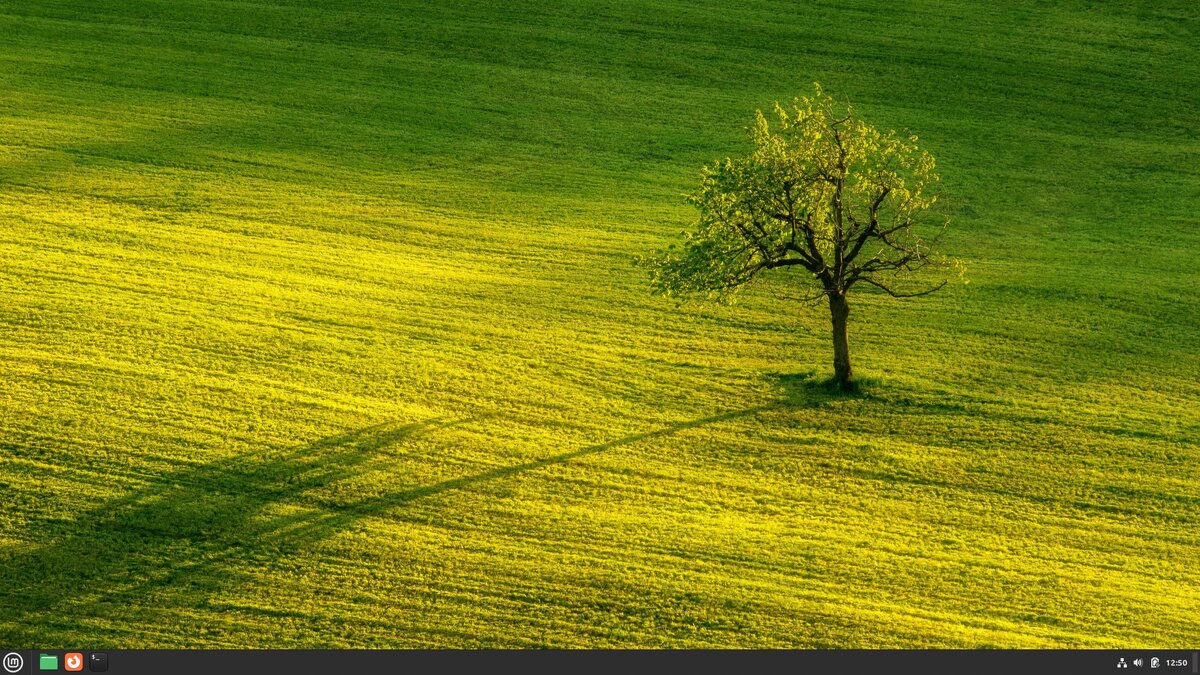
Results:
839 310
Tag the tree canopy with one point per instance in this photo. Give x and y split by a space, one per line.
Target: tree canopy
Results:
822 191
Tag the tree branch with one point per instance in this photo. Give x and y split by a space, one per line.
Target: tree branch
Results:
894 294
873 226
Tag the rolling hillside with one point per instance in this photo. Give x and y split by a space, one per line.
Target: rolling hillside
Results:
319 328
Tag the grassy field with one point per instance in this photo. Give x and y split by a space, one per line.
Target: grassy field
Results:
319 328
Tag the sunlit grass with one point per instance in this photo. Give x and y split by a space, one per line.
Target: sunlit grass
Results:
318 327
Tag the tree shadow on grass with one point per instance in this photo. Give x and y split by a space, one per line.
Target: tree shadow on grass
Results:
176 545
169 542
334 521
808 389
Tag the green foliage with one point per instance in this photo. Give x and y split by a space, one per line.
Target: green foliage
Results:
818 191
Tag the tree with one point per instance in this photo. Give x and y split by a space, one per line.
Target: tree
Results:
823 192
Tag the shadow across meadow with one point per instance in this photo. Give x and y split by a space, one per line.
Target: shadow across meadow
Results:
181 540
203 531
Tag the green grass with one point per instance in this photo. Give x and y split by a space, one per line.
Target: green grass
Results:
318 328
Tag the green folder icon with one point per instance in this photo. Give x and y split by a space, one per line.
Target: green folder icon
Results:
48 662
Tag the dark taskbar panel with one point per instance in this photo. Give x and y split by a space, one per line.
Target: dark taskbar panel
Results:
234 662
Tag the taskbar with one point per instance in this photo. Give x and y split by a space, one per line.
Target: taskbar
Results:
364 662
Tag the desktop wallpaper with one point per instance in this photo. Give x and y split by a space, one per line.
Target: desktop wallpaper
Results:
343 324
